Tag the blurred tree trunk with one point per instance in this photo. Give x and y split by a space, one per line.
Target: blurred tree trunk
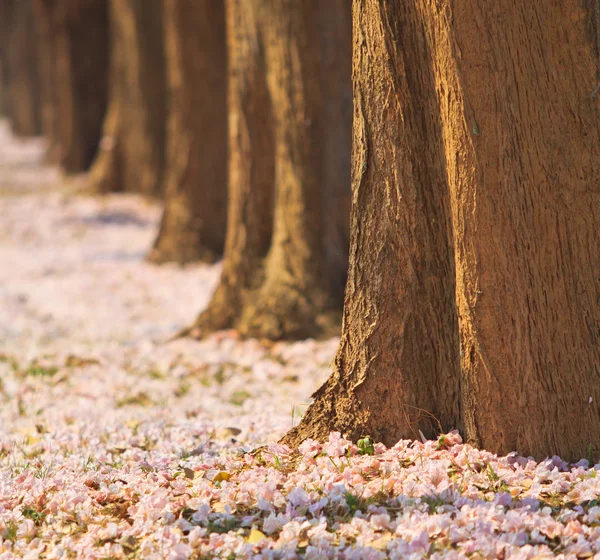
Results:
73 56
275 281
193 222
473 297
4 81
5 22
132 150
251 169
336 69
82 39
45 16
20 43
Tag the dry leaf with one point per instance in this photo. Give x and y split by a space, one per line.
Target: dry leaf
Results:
382 542
256 536
189 473
223 433
222 475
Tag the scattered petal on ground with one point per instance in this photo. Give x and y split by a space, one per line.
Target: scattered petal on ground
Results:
116 443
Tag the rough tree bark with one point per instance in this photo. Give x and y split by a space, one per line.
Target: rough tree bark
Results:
132 150
20 45
193 221
276 277
473 297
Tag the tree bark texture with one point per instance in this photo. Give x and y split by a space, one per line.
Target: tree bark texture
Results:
132 150
194 219
20 45
275 281
473 297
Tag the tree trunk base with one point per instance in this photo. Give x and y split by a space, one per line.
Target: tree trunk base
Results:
218 316
318 422
279 314
105 174
181 255
283 312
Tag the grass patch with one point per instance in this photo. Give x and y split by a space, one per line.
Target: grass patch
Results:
36 370
222 526
10 531
138 399
73 361
238 398
433 503
155 374
182 389
38 517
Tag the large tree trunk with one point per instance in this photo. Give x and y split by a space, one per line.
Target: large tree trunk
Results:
274 282
473 297
132 150
22 67
193 222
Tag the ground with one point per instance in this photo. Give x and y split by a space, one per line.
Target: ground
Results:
118 442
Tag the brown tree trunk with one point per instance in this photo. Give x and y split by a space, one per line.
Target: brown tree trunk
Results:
336 69
4 104
21 59
132 150
5 23
82 87
74 77
473 297
193 222
46 24
274 282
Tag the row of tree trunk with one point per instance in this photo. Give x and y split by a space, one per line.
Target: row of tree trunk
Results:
20 67
289 143
473 293
473 296
54 74
235 113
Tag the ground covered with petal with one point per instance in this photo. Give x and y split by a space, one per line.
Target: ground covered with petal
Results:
117 442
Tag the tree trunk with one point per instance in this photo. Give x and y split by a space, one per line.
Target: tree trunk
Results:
132 150
4 104
5 22
83 40
74 69
274 282
336 70
23 72
46 24
473 296
193 222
